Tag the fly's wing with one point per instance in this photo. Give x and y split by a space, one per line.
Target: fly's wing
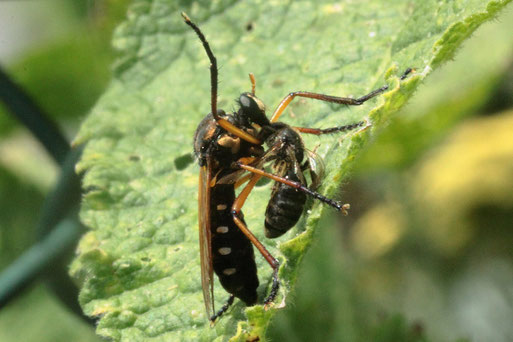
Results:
231 178
207 270
296 170
316 167
288 167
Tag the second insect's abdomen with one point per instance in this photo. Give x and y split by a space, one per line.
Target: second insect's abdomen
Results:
284 209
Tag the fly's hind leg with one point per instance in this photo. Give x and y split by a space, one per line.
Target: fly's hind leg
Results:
225 308
273 262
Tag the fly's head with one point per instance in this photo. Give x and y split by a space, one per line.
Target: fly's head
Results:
252 109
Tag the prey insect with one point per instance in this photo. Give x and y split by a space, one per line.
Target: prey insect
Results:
230 151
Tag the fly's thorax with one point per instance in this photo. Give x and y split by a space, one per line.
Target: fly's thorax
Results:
205 134
212 142
283 139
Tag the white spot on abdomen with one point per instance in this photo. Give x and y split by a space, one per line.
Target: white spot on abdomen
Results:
224 250
222 229
229 271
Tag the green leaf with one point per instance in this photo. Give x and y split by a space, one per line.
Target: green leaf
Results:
139 264
450 94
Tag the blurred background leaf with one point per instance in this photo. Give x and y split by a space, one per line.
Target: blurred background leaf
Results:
59 52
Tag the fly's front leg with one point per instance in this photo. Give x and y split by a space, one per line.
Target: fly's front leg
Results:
319 131
326 98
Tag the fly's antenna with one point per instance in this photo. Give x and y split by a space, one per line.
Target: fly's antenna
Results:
213 87
213 64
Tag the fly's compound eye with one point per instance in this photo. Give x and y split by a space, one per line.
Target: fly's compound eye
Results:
253 108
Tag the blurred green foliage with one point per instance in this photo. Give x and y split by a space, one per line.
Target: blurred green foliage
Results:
17 231
65 75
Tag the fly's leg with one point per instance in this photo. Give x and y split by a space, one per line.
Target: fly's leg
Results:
326 98
273 262
221 311
319 131
296 185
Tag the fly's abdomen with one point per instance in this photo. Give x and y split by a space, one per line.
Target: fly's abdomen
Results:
284 209
232 252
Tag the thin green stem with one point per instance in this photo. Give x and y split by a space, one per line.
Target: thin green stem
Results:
21 273
25 110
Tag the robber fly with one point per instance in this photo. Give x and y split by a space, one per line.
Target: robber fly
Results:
230 152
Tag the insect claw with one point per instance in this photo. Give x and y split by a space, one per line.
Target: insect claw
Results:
366 124
406 73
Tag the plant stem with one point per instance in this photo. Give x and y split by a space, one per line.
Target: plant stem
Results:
25 110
